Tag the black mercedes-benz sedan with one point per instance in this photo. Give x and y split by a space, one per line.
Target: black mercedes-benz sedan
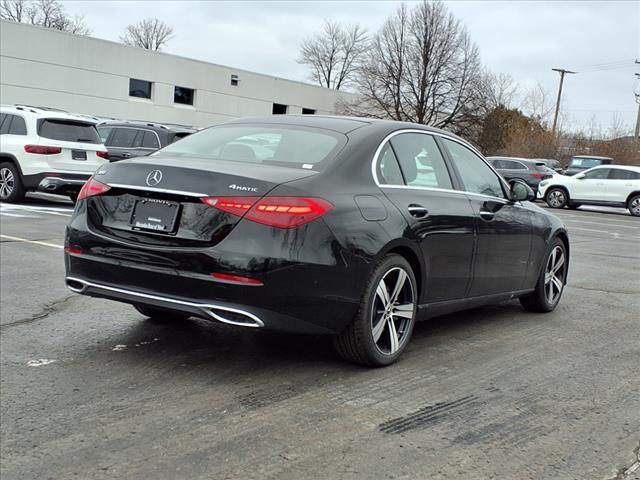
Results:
350 227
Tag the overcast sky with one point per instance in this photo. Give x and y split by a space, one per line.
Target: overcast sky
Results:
523 39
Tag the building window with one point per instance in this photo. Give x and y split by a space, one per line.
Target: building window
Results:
308 111
183 95
139 88
234 80
279 109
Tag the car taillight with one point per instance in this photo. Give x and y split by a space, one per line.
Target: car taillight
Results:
92 188
282 212
238 280
537 174
102 154
42 149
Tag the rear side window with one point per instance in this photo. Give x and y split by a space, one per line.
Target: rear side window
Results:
17 127
279 145
476 175
421 161
123 137
388 169
68 130
620 174
150 140
104 132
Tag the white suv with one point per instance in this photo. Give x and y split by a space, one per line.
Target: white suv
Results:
46 150
607 185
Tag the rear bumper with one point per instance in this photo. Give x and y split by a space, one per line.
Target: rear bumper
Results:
62 185
308 287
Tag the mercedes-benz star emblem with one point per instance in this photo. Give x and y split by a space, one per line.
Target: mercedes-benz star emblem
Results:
154 178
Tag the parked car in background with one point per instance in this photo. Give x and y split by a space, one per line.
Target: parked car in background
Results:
337 233
580 163
552 164
138 139
512 168
47 150
607 185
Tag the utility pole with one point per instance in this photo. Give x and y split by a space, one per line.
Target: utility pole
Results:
562 72
637 133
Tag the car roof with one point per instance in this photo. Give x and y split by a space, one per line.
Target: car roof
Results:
338 123
633 168
596 157
44 112
150 125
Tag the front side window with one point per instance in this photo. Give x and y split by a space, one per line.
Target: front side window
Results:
139 88
68 130
285 145
475 174
183 95
420 160
597 174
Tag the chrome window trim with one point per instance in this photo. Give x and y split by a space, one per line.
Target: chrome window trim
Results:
376 155
158 190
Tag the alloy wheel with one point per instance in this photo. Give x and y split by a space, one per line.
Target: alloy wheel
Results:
7 182
393 310
554 275
635 206
556 198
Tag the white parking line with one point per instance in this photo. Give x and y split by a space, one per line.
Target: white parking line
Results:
35 242
636 227
9 209
613 234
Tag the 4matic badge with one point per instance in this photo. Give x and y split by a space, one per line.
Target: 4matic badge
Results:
242 188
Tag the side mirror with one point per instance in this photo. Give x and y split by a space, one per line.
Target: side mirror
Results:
580 176
520 191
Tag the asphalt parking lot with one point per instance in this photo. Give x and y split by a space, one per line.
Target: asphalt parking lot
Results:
90 389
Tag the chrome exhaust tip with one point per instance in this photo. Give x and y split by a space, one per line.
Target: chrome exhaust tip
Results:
75 285
233 316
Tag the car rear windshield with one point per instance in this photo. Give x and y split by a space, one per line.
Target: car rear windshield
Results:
68 130
279 145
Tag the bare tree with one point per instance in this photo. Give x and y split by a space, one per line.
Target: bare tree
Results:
45 13
334 54
500 90
423 67
538 104
150 33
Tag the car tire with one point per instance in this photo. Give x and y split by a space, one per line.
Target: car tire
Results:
550 284
382 328
634 205
556 197
11 187
157 313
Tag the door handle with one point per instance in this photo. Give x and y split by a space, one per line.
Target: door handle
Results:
486 215
418 211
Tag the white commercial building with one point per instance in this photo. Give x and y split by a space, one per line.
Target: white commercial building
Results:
44 67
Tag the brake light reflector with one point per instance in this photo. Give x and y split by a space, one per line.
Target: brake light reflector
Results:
281 212
42 149
103 154
73 250
92 188
225 277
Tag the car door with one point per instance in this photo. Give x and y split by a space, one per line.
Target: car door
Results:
414 176
503 227
150 143
121 143
619 184
589 186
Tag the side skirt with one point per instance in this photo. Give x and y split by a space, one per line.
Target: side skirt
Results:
430 310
